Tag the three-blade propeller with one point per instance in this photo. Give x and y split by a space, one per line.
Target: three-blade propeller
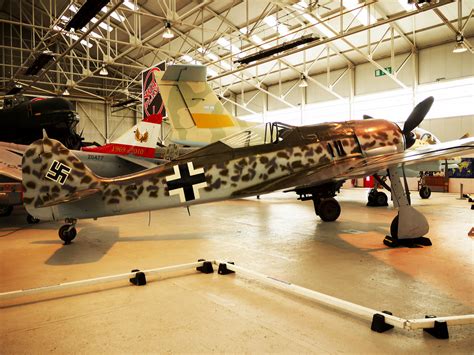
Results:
415 119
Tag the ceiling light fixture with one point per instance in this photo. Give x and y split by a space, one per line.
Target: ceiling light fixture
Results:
303 83
66 92
460 47
104 71
168 34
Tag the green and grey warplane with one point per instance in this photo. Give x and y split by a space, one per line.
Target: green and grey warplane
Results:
311 160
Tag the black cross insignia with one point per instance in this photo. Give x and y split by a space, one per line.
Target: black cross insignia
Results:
186 182
58 172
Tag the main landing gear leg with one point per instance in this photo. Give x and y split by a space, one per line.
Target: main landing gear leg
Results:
68 232
325 205
409 226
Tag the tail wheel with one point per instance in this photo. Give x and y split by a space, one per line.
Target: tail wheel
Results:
5 210
425 192
381 199
67 233
329 209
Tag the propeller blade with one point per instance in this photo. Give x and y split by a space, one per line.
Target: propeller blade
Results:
417 115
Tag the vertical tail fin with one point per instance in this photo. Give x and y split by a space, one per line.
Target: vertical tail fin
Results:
140 140
52 174
196 115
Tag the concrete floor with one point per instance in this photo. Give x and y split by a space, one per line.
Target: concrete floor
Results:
193 312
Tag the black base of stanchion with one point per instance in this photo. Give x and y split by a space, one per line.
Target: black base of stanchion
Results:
139 279
440 329
206 267
378 323
407 242
223 270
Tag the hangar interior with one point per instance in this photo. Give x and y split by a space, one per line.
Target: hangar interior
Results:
377 58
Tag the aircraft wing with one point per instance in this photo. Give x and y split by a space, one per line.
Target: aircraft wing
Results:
355 167
10 160
369 166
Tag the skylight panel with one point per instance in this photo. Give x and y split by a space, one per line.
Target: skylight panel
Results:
102 25
130 5
211 72
361 14
187 58
114 14
405 5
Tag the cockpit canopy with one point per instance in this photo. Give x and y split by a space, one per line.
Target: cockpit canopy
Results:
265 133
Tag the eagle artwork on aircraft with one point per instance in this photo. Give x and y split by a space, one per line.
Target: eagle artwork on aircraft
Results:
142 138
312 160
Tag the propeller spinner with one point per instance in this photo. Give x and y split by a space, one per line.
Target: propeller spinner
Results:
415 119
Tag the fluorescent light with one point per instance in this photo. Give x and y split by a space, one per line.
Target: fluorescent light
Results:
130 5
244 30
73 8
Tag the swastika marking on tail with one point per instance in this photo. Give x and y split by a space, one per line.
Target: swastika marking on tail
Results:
58 172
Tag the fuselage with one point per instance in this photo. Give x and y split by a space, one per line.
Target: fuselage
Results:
254 161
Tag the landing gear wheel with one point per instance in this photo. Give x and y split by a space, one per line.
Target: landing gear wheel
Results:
381 199
425 192
67 233
327 209
32 220
5 210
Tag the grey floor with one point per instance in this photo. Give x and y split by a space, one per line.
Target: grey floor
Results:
193 312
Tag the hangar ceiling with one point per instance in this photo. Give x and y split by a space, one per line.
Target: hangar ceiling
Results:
126 36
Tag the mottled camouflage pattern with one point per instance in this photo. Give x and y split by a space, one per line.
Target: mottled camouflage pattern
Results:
182 99
228 173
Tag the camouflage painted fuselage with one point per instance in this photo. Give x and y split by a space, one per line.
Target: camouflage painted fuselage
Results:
58 185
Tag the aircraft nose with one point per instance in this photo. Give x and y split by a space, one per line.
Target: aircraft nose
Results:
379 137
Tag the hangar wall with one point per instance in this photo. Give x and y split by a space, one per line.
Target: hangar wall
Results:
102 123
435 65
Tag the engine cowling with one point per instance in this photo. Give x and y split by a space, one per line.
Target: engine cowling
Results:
379 137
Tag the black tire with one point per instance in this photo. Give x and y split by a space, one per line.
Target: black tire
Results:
371 197
394 228
5 210
425 192
67 234
381 199
329 209
32 220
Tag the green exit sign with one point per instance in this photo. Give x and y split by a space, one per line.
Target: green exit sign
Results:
379 72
